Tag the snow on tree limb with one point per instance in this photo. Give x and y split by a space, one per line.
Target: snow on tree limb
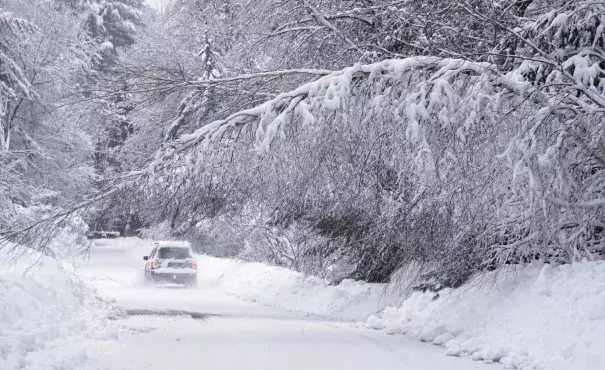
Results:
326 92
433 91
330 92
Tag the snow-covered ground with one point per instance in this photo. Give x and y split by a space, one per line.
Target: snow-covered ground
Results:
541 318
166 327
286 289
46 314
101 315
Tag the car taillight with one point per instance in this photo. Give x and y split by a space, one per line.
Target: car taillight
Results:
154 264
194 264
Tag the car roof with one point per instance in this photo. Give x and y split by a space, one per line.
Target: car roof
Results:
172 244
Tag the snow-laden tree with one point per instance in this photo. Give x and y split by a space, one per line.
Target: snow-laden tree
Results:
200 102
339 33
558 157
48 149
191 41
480 164
359 136
113 24
363 109
14 85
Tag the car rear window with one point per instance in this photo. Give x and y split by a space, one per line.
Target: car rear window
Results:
173 252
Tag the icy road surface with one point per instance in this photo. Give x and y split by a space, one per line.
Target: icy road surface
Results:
171 328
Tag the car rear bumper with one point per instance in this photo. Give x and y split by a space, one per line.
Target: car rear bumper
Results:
173 276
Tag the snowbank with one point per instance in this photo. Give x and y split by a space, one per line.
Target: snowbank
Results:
45 312
550 318
290 290
542 318
539 318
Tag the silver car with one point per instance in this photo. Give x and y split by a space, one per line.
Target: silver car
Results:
171 262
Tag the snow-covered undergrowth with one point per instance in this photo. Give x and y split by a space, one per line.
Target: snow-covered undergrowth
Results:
538 318
542 318
290 290
45 311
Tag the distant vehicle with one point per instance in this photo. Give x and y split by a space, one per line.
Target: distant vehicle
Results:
171 261
97 234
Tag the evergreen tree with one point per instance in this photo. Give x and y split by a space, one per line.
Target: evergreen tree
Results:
113 24
200 102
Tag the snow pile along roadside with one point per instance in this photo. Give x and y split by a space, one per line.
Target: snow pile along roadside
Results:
290 290
542 318
44 311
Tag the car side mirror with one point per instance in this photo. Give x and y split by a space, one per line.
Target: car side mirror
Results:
145 258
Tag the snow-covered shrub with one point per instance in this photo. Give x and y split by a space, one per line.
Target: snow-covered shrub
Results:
215 237
294 247
160 231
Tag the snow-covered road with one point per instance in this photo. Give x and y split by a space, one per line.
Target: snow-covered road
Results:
174 328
